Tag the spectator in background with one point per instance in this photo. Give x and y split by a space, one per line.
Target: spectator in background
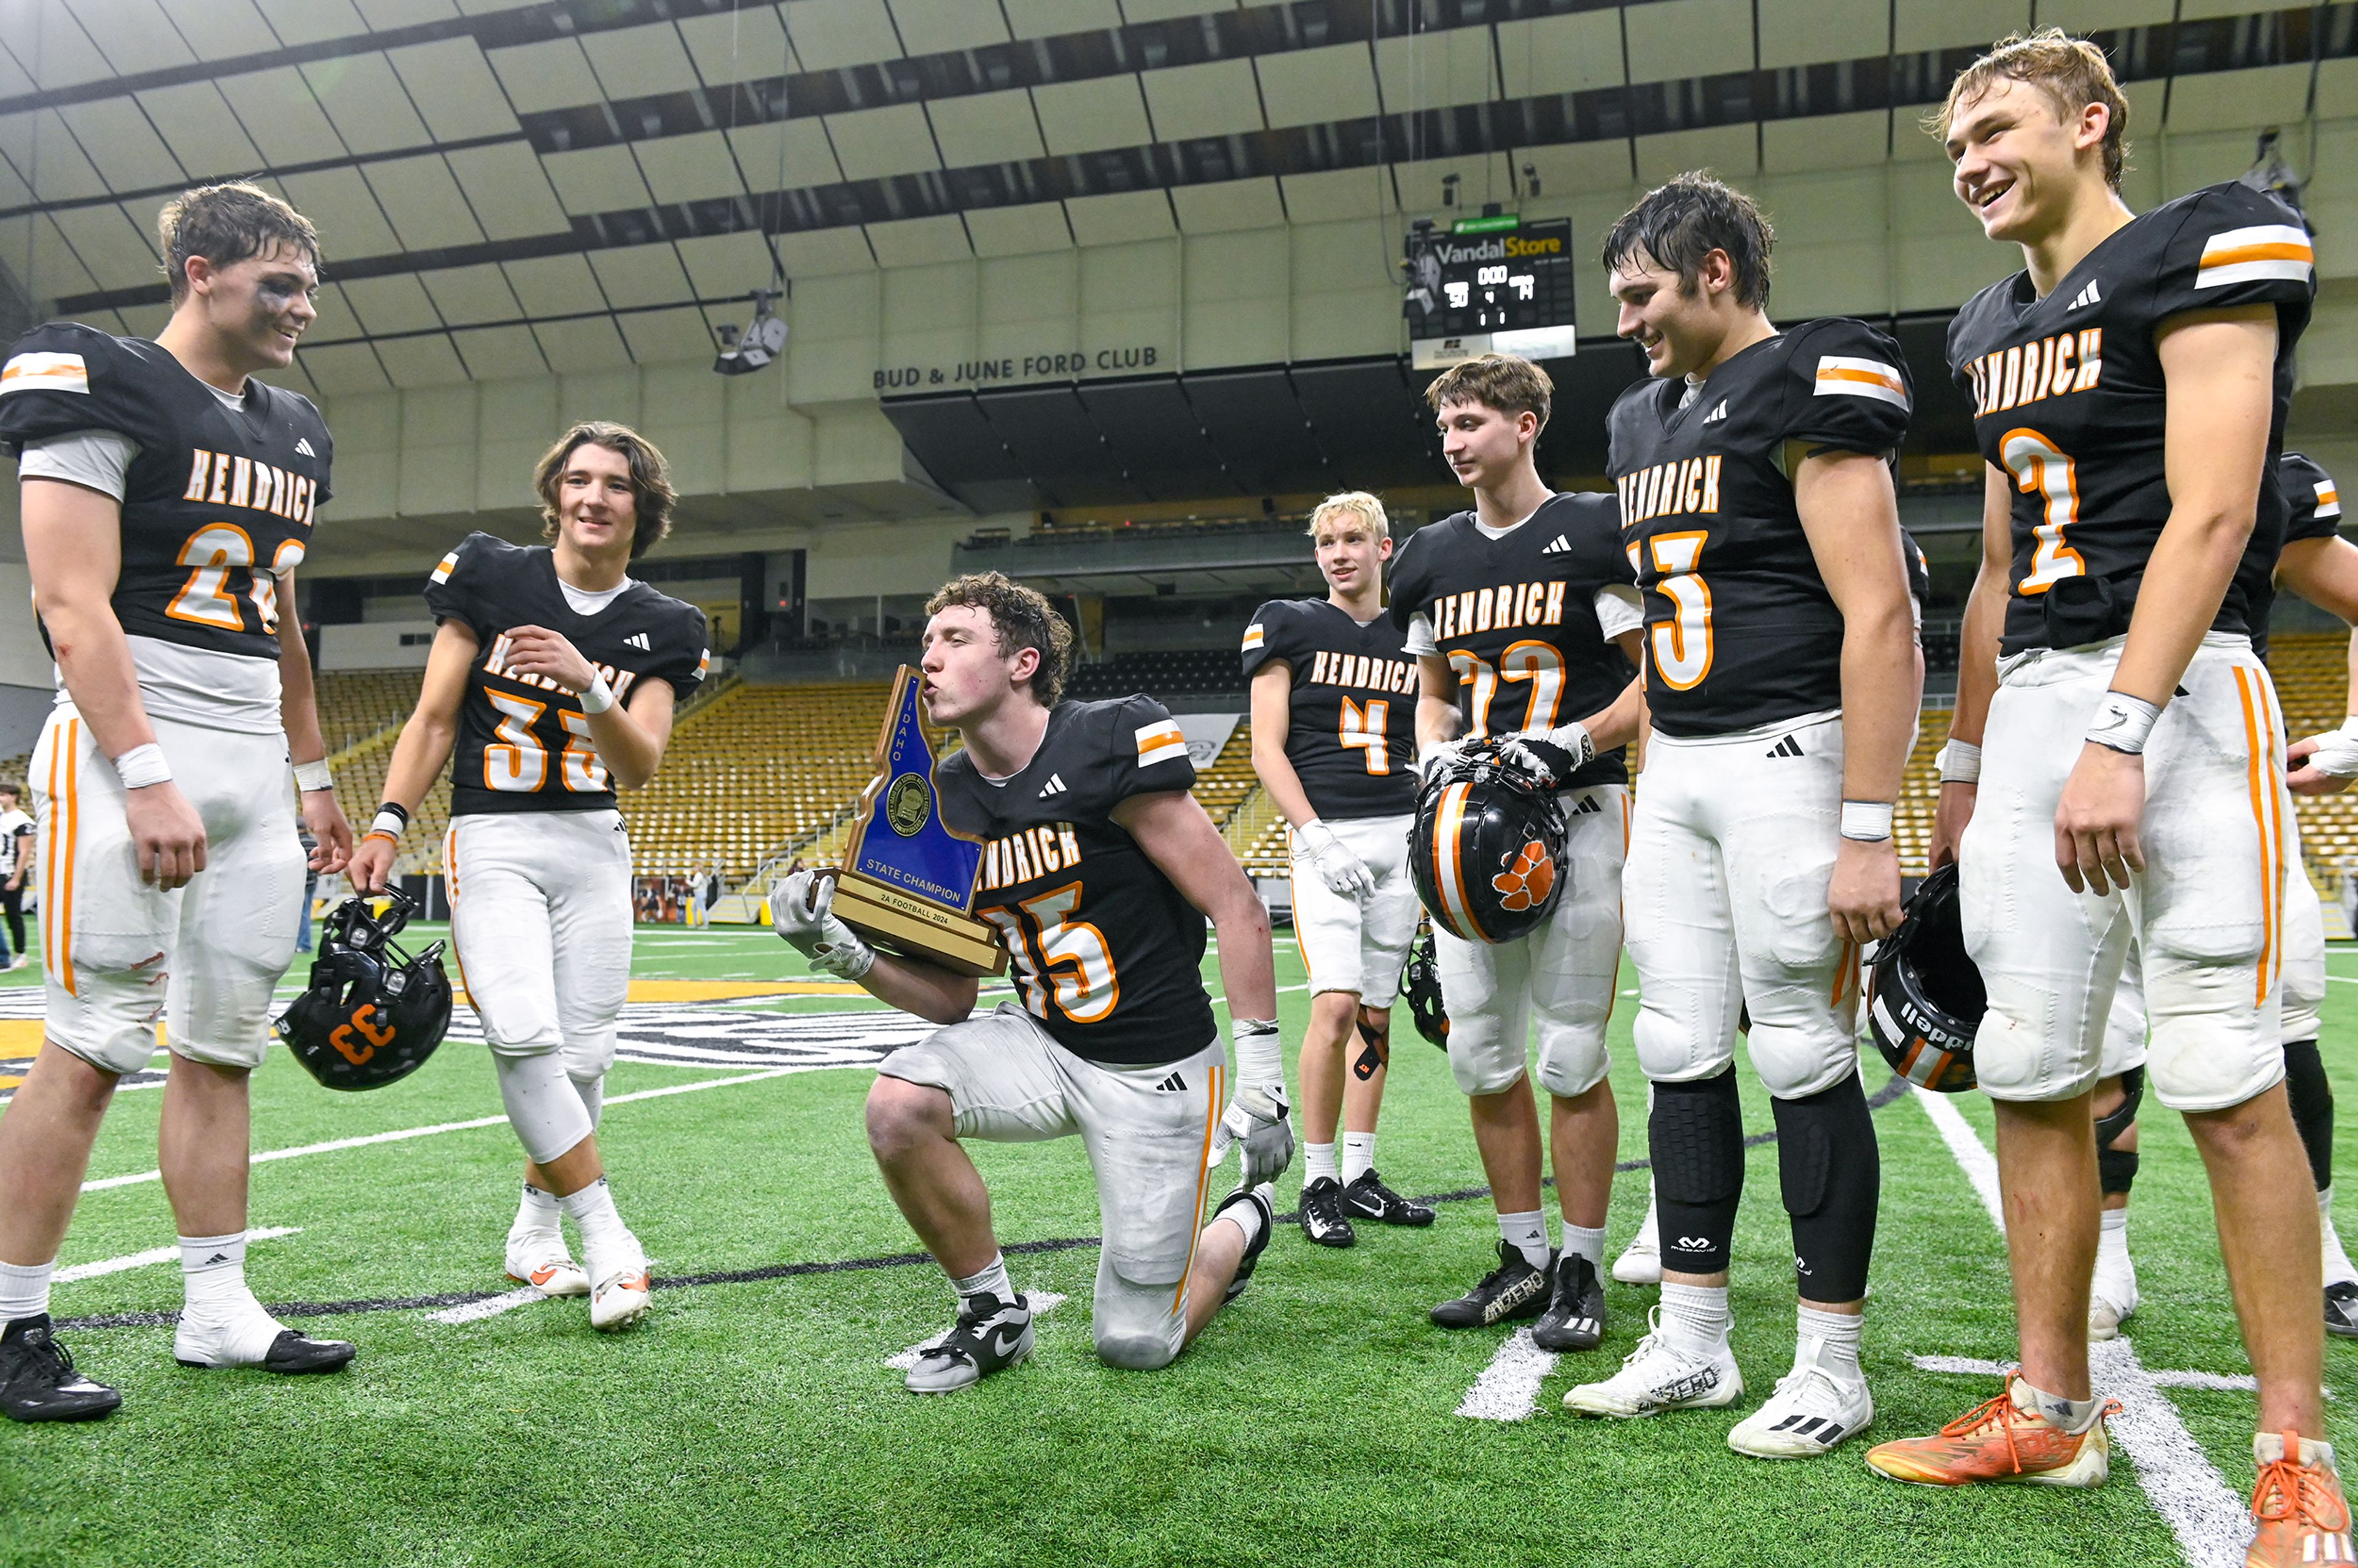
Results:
15 870
695 895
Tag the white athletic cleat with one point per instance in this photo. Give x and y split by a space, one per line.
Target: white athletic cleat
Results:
253 1338
2111 1299
1815 1411
1641 1262
539 1260
1658 1376
621 1299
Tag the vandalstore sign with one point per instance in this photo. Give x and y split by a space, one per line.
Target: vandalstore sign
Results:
1071 364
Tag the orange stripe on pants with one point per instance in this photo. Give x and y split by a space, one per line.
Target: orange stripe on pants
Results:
1203 1174
2255 762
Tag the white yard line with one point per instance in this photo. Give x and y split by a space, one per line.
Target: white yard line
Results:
490 1306
1509 1388
2210 1522
1043 1303
335 1144
156 1255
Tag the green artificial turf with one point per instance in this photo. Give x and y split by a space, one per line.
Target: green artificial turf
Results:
756 1421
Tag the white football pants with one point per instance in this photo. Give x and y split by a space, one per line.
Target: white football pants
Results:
1358 944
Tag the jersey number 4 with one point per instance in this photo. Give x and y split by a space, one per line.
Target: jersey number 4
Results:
2041 467
1362 729
1057 959
517 762
214 551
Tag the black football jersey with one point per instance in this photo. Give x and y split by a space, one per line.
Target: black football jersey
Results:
1740 630
1109 953
1919 574
2068 399
1515 617
2312 511
217 500
524 744
1351 720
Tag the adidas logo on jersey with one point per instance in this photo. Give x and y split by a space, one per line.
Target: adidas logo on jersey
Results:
638 640
303 445
1716 415
1559 545
1056 785
2091 295
1790 746
1173 1084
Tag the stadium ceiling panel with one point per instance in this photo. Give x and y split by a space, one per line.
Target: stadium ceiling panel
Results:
688 146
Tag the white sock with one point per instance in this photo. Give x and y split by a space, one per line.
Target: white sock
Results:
536 1215
1696 1317
608 1247
1526 1234
24 1290
1358 1155
1245 1216
2338 1268
991 1280
2268 1447
212 1268
1587 1243
2112 1240
2071 1415
1837 1332
1317 1160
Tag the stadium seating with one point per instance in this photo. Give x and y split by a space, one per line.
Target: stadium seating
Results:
1163 674
356 704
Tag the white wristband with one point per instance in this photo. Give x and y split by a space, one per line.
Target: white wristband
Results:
2123 722
1960 763
599 698
1868 821
310 776
142 766
389 823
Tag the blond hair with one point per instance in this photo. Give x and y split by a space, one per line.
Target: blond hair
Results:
1352 504
2073 73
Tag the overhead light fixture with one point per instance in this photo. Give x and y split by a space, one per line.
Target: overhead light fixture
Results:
747 349
2270 172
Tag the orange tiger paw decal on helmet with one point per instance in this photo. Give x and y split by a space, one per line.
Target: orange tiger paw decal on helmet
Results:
1527 884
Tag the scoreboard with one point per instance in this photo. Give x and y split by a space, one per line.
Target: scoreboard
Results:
1491 284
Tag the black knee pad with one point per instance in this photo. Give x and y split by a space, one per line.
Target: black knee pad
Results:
1832 1175
2312 1107
1696 1133
1375 1044
2116 1168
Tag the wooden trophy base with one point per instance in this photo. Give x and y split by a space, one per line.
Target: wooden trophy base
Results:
915 928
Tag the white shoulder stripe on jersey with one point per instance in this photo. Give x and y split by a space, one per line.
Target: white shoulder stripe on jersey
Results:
1160 744
45 373
1253 636
1841 376
2262 251
449 564
2329 499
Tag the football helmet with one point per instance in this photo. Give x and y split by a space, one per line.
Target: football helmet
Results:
1488 843
1420 988
1925 1000
371 1013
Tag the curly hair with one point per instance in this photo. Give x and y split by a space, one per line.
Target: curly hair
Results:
2073 73
226 224
1022 618
650 478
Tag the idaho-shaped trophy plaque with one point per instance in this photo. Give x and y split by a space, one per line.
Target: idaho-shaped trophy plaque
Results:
907 881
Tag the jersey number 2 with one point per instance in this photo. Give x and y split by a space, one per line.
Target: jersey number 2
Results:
2039 465
215 550
1066 961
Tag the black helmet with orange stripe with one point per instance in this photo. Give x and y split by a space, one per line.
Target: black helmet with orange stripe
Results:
1487 850
371 1013
1925 998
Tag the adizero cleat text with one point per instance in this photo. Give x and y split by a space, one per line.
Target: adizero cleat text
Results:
989 1335
1997 1440
1322 1219
1369 1198
542 1264
2342 1310
1513 1290
38 1380
621 1300
1575 1318
1815 1411
1658 1376
2299 1512
1259 1198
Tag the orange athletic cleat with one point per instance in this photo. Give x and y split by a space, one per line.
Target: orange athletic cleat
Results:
2300 1511
1997 1440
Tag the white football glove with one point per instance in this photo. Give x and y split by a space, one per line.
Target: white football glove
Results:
1515 750
1434 758
800 909
2337 753
1573 739
1256 1121
1344 873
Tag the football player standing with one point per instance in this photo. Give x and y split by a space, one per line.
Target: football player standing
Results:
1098 871
551 679
167 495
1523 622
2130 388
1758 508
1334 742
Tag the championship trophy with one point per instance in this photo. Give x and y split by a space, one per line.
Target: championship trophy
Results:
907 881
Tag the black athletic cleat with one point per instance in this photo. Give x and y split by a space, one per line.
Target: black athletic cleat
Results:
2342 1310
1575 1318
292 1354
1367 1197
989 1336
1322 1219
38 1380
1259 1245
1512 1290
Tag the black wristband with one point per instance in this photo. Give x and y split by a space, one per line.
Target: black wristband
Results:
388 805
